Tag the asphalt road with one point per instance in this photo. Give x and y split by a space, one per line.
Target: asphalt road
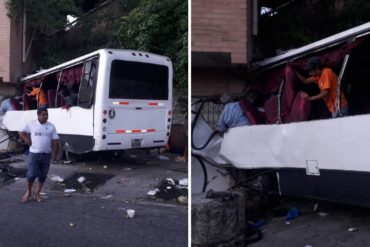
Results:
96 221
331 225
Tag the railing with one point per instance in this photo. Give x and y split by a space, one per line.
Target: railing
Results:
211 110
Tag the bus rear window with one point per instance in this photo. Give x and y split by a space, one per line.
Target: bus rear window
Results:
134 80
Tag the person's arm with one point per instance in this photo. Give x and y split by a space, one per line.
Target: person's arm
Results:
303 79
25 137
319 96
54 149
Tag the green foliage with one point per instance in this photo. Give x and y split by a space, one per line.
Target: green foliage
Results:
44 16
306 21
159 27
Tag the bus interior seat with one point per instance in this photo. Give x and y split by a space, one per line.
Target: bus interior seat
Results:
251 112
26 102
294 108
51 98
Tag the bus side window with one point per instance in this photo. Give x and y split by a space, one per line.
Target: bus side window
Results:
86 93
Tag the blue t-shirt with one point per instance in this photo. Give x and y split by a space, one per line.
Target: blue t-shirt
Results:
232 116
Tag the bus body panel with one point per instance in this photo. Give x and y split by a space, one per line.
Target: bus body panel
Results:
134 114
61 118
331 144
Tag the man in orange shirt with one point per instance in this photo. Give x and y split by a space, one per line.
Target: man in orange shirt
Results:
327 81
40 96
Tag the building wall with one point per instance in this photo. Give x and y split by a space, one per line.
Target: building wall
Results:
220 26
11 65
4 43
17 67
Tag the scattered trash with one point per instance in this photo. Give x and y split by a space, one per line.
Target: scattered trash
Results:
352 229
121 209
67 162
72 224
130 213
307 244
56 178
183 182
280 212
292 214
171 181
69 190
90 168
315 207
259 224
168 189
127 169
15 179
105 167
102 207
322 214
81 179
152 192
163 157
182 199
287 222
106 197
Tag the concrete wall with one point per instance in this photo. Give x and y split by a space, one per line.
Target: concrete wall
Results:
220 26
212 81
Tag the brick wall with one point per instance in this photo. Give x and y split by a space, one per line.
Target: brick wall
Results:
4 43
220 26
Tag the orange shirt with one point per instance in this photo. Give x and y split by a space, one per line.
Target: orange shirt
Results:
328 81
40 96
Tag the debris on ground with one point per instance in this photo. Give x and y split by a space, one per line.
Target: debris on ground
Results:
163 157
280 212
182 199
56 178
352 229
127 169
67 162
322 214
69 190
152 192
291 215
130 213
81 179
106 197
72 224
183 182
315 207
258 225
169 189
105 167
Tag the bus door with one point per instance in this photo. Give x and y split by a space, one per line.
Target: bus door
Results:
139 102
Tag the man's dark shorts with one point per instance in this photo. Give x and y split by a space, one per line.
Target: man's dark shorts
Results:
38 166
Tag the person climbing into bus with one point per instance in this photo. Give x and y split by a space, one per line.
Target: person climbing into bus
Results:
327 81
39 94
231 116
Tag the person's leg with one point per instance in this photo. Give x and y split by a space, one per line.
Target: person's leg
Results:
32 173
44 163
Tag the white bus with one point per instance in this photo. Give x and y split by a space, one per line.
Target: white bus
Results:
109 99
307 152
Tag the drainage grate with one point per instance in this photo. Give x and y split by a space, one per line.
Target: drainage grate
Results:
91 182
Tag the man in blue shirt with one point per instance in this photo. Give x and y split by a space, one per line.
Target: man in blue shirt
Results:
231 116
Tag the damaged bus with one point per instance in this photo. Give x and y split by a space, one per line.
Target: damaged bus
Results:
306 152
109 99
